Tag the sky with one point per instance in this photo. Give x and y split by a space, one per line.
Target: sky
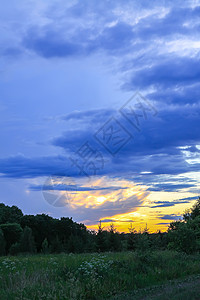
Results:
99 110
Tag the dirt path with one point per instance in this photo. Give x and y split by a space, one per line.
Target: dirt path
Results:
185 289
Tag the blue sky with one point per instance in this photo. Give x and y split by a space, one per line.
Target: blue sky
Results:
71 72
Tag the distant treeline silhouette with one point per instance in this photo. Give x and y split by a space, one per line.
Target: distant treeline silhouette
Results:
21 234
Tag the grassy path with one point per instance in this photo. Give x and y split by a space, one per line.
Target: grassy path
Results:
187 289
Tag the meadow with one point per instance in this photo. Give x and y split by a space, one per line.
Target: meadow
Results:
116 275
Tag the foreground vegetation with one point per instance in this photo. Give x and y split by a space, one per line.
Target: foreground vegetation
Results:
91 276
95 265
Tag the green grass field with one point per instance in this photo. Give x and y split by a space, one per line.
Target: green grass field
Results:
124 275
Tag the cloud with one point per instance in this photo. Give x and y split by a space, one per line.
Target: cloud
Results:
166 73
89 116
171 24
22 167
166 144
116 38
170 217
168 203
114 33
141 44
170 187
189 198
74 187
118 221
107 197
156 149
187 94
50 44
111 208
12 52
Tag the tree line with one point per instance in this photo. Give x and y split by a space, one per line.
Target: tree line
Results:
21 234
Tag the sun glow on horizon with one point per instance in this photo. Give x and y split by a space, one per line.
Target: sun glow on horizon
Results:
123 202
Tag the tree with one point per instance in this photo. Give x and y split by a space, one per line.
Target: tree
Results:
27 243
15 249
143 240
43 226
45 246
12 233
131 243
101 241
56 246
159 240
185 235
193 212
146 230
2 243
114 239
182 237
90 242
10 214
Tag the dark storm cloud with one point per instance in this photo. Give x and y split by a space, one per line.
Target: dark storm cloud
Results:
65 187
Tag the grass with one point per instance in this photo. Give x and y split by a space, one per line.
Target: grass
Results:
95 276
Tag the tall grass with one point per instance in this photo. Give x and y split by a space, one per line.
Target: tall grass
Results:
90 276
